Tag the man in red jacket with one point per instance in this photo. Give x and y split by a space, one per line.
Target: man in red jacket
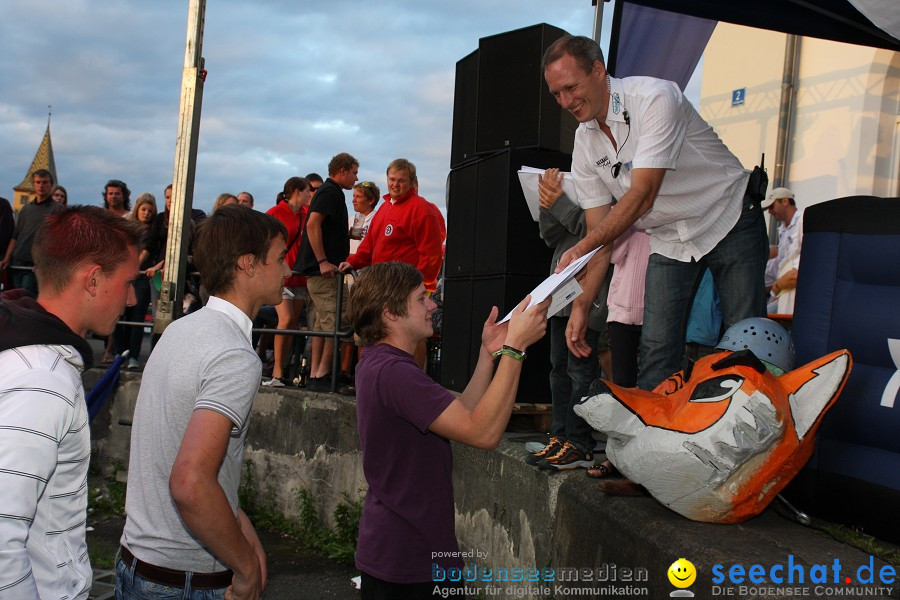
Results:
408 228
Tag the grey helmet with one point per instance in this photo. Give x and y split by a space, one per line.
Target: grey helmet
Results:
765 338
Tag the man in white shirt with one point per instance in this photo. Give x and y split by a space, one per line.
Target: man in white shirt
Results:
85 260
642 142
184 530
784 259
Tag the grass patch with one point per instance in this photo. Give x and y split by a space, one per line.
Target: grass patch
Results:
102 553
868 544
106 513
337 544
106 499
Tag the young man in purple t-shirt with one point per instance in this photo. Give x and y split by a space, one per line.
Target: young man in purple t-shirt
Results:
406 422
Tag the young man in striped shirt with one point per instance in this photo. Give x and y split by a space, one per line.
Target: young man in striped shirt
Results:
85 260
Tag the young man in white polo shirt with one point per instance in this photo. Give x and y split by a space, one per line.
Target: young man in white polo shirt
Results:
184 533
642 142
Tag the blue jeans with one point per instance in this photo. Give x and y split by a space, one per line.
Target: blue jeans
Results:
131 586
24 279
570 378
738 263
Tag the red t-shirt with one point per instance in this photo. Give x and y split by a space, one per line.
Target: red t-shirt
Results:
294 224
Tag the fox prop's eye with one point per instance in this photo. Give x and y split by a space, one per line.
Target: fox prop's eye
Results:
716 389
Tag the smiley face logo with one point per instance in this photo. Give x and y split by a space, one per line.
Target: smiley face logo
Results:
682 573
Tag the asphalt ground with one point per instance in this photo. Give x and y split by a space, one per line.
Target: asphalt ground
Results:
294 572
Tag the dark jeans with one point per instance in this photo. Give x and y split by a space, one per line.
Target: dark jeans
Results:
570 379
624 344
24 279
738 263
129 337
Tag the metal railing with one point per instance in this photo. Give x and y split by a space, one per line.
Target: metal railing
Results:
339 334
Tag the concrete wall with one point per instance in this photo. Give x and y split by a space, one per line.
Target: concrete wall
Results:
297 440
508 515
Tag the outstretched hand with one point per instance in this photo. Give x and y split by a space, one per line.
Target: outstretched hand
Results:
526 326
493 334
568 256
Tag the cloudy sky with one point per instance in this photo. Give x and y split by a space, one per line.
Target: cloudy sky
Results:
290 84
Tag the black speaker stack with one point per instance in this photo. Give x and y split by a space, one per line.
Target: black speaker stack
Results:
503 118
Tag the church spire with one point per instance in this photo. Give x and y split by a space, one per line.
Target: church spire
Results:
43 159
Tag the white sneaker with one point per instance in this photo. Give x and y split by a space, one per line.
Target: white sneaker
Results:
133 364
274 382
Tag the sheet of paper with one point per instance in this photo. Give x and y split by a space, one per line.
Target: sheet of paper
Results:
563 296
556 281
528 179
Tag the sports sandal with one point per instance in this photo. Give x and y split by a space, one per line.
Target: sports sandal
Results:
602 471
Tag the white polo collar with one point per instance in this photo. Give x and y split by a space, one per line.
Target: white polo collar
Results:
615 111
236 314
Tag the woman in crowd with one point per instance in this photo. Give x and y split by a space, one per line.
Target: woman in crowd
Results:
365 197
60 195
224 200
291 208
131 337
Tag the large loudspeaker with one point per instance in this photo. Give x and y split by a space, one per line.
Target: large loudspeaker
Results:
489 227
465 110
467 303
515 109
501 100
456 340
507 239
461 218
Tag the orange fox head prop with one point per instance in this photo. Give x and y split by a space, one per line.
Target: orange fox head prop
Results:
717 442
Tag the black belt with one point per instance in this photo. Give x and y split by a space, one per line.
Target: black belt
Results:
173 578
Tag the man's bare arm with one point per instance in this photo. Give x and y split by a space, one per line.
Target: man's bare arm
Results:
594 272
637 202
7 257
480 421
202 503
314 232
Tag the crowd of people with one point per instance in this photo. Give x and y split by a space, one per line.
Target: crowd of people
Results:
657 192
414 231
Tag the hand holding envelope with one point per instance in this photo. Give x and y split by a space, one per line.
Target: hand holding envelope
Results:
562 286
528 178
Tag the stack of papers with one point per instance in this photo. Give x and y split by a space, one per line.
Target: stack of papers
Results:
528 178
562 286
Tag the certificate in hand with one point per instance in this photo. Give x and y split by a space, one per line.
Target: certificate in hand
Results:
528 178
562 286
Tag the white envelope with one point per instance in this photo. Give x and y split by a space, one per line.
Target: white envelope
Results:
528 178
557 285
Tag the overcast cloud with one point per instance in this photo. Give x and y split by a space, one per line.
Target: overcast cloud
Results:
290 84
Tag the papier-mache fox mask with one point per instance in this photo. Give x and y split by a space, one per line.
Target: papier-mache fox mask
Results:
717 442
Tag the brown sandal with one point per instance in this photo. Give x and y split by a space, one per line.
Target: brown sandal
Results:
602 471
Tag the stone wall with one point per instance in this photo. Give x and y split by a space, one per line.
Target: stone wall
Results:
508 515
